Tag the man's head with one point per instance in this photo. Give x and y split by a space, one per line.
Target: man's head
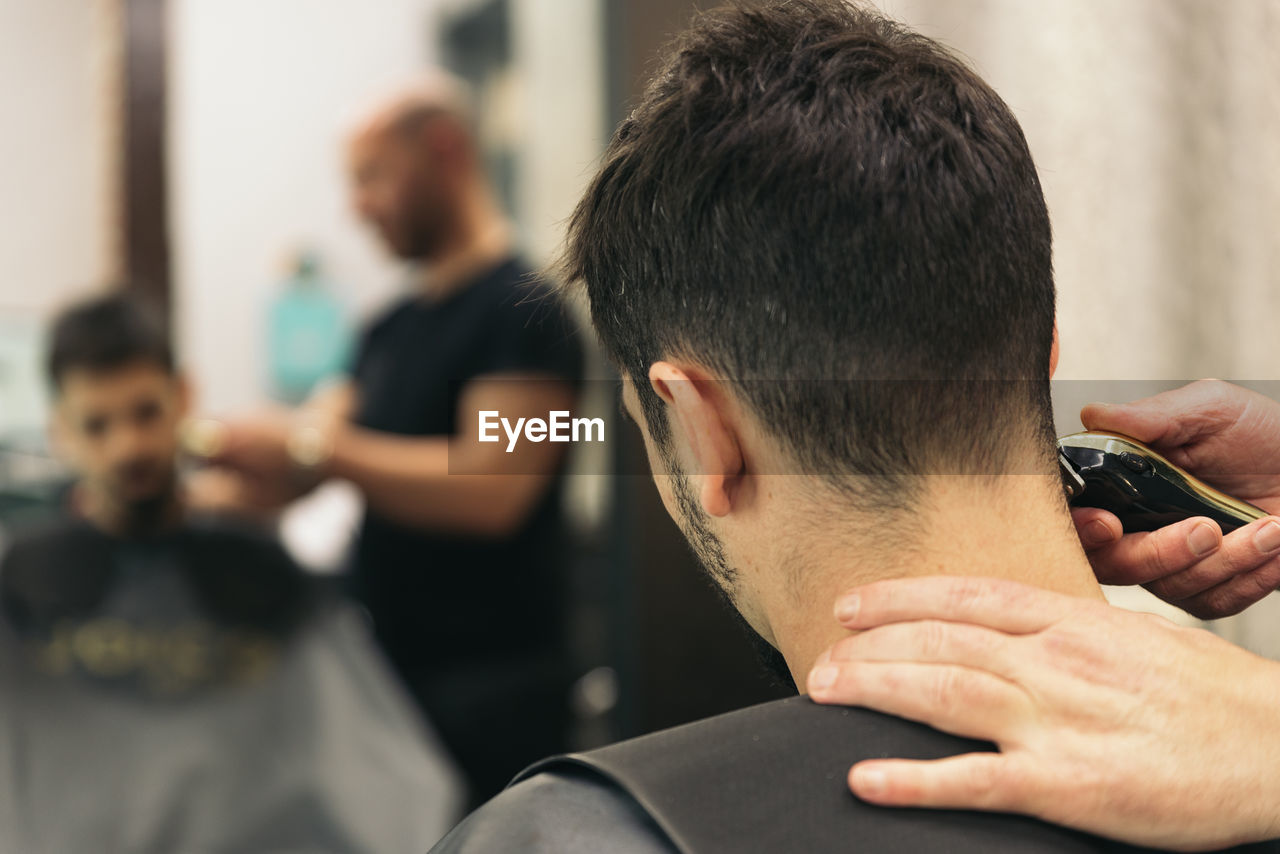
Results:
412 160
118 400
819 246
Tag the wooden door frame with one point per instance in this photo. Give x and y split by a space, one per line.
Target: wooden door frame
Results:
144 202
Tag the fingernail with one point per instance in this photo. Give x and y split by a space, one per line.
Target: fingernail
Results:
823 677
1204 539
1097 534
1268 537
847 608
869 781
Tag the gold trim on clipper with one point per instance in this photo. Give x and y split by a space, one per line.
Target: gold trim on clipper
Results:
1118 443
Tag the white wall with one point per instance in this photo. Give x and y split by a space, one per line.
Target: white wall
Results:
262 91
56 190
55 176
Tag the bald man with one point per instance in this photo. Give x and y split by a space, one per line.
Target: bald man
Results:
459 557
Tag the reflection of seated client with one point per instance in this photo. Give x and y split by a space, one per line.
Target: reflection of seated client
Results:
810 205
177 683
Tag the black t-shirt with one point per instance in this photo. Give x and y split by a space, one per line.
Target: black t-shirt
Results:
438 598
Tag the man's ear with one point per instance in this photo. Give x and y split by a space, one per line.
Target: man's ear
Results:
698 410
1053 351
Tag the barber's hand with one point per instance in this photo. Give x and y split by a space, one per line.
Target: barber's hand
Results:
254 447
226 492
1230 438
1108 721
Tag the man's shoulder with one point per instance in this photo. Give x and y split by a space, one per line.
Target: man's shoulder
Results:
51 545
511 290
52 530
567 811
527 324
56 568
772 778
516 290
387 317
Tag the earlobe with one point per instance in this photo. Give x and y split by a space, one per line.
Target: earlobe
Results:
715 495
697 413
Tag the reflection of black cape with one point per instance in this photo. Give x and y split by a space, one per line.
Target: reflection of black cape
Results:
240 577
770 778
319 751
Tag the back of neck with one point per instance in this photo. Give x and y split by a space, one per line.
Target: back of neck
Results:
1014 527
482 239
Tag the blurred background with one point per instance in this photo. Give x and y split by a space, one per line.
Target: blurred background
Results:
195 149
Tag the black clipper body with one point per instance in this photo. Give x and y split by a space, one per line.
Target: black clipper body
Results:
1142 488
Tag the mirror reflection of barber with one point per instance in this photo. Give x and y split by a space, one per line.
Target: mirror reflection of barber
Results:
448 567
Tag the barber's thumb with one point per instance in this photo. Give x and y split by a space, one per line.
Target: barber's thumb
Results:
1140 422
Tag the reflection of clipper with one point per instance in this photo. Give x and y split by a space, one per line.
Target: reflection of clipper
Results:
1142 488
203 438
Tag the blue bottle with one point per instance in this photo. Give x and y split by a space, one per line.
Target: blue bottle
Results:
308 334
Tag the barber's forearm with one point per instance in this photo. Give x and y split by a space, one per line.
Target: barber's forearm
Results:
407 480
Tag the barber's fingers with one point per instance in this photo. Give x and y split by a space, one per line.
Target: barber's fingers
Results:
1189 564
982 781
1244 550
1096 528
1232 597
1157 553
1172 419
929 642
1006 606
959 700
1145 420
1146 556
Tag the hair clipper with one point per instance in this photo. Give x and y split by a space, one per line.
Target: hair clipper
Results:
1142 488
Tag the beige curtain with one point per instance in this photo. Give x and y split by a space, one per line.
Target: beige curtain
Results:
1156 129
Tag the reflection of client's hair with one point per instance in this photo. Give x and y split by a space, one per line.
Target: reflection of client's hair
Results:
106 333
810 192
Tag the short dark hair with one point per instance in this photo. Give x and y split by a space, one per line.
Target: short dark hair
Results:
840 217
105 333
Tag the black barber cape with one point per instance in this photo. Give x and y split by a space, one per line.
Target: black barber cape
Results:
770 778
197 692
